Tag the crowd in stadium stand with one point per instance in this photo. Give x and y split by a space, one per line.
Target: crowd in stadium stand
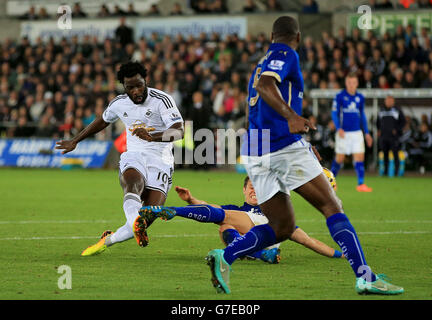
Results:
218 7
55 89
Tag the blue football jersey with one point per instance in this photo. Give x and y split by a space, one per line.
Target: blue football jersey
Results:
245 207
348 112
268 131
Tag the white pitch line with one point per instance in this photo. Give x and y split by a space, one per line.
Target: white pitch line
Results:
184 220
58 221
401 232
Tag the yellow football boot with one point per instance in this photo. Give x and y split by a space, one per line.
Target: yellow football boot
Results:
99 247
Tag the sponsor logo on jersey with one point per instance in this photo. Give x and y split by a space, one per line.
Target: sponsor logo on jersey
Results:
276 64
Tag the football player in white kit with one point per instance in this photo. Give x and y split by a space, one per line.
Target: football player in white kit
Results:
152 122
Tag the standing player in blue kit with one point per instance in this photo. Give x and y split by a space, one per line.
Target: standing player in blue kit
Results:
350 120
278 160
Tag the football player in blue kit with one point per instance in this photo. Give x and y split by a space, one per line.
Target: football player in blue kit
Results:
278 160
235 221
350 120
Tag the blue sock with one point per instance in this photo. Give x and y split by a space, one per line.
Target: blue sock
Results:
201 213
228 235
337 254
359 168
259 237
335 168
344 235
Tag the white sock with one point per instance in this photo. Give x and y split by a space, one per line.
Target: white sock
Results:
122 234
131 206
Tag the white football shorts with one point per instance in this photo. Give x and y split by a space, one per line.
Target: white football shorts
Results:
353 142
283 170
157 174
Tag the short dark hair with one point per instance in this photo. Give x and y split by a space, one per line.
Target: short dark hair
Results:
245 182
352 74
131 69
285 26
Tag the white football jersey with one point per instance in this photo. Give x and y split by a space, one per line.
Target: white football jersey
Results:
158 111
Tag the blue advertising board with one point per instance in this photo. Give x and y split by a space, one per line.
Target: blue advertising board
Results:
42 153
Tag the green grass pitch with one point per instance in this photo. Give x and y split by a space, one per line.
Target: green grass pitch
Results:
47 217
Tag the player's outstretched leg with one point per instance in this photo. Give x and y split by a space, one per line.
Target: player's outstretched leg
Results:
99 247
318 193
139 228
271 256
165 213
200 212
220 271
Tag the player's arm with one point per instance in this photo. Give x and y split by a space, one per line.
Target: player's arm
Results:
364 125
173 133
186 195
336 116
303 238
269 91
69 145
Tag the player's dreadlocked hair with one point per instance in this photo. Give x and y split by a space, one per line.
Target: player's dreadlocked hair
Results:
131 69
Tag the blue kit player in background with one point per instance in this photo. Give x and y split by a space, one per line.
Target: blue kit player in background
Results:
350 119
281 161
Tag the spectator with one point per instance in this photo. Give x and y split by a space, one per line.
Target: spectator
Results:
153 11
45 129
124 33
43 14
427 83
376 63
200 6
104 11
273 6
250 6
131 11
176 10
77 11
384 5
422 147
23 129
310 6
30 15
424 4
118 12
218 6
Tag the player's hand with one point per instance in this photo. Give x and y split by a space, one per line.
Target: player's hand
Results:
369 140
183 193
66 145
341 133
143 133
297 124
